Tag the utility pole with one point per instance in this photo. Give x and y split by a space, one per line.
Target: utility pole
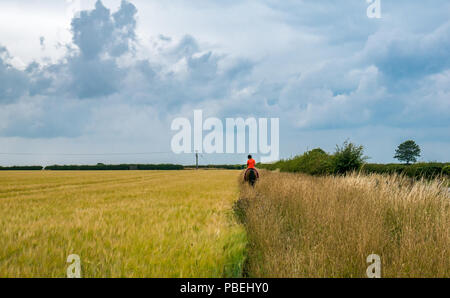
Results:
196 160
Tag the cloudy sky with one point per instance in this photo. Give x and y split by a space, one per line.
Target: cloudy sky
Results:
87 81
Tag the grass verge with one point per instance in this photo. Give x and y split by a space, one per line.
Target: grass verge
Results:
304 226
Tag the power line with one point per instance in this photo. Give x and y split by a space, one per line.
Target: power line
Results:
84 154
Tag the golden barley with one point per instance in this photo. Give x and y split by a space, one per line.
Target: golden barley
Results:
121 224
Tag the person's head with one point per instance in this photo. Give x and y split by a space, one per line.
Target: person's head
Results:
249 157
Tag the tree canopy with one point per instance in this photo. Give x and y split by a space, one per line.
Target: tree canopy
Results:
408 152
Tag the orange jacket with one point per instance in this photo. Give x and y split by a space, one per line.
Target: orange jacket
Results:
251 163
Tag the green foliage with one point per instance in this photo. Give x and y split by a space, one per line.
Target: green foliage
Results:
446 170
420 170
408 152
291 165
160 167
348 158
315 162
426 170
384 168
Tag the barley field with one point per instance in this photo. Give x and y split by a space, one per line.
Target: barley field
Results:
304 226
121 224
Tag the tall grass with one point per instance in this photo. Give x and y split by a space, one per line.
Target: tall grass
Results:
304 226
122 224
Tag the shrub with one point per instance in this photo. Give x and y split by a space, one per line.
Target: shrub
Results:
348 158
291 165
315 162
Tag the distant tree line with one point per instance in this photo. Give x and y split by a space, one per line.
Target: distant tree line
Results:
22 168
121 167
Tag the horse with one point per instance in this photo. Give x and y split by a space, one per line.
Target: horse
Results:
251 176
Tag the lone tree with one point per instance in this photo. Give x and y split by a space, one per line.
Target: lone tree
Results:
407 151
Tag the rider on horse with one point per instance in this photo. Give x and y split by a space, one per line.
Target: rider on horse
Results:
251 171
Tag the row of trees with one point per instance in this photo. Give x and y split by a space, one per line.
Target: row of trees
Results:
22 168
98 167
121 167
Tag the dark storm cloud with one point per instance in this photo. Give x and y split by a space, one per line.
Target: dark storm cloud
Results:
97 32
13 82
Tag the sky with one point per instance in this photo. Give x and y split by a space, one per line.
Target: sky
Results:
87 81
